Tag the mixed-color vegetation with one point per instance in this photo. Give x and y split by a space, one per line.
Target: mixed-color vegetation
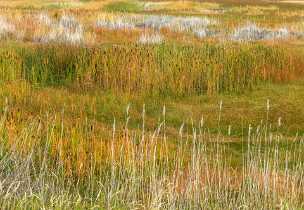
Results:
151 104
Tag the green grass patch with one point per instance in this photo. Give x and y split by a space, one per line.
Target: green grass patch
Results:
124 6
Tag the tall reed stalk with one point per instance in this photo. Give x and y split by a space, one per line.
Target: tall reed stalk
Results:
48 164
155 70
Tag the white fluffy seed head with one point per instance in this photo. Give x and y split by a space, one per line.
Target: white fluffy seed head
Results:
150 39
6 28
115 24
252 32
43 18
204 32
182 24
68 30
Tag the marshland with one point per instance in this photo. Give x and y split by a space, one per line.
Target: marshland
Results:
128 104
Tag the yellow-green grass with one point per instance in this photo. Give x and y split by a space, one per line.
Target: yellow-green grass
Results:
101 107
54 152
167 69
99 82
233 12
52 4
265 16
181 125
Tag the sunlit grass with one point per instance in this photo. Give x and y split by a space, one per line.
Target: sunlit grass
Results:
124 104
119 167
156 69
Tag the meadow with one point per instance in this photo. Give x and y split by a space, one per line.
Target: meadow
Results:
151 104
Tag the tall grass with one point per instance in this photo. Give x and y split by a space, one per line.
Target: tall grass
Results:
47 163
74 159
155 69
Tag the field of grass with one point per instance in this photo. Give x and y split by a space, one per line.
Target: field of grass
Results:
151 104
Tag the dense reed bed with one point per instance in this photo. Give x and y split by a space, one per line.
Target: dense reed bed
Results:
154 69
48 163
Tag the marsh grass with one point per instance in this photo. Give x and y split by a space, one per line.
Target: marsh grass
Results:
48 27
57 165
155 69
135 123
